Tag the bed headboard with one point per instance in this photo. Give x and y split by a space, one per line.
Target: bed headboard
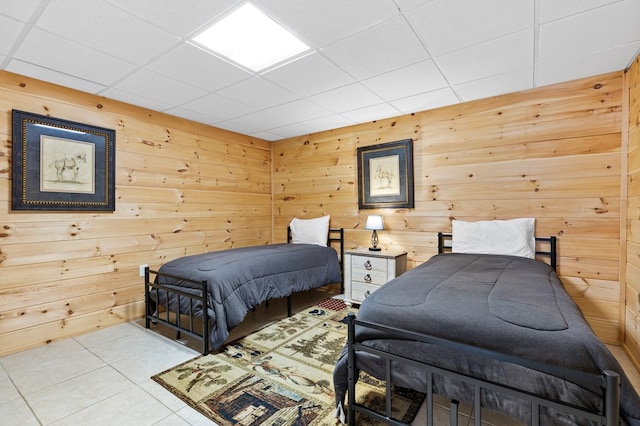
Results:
445 239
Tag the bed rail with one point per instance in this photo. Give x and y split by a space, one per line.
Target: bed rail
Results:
445 240
609 381
152 313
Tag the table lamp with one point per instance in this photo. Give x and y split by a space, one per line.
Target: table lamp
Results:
374 222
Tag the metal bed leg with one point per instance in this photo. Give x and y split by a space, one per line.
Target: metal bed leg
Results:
453 420
289 305
351 370
612 397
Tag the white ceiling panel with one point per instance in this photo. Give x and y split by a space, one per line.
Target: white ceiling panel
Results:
425 101
192 65
449 25
66 80
496 85
324 22
347 98
383 48
550 10
309 75
586 65
372 113
368 59
11 30
21 10
593 31
183 17
67 57
106 28
491 58
146 83
214 105
417 78
258 93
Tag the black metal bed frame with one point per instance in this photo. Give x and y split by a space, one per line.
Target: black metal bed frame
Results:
152 308
609 381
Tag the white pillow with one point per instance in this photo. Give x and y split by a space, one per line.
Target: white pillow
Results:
310 231
514 237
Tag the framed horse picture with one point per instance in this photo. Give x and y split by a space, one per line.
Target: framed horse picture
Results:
385 175
61 165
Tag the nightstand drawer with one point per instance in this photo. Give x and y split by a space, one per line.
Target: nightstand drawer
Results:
369 263
369 277
366 271
361 291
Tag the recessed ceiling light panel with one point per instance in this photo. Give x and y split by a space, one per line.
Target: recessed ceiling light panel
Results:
251 39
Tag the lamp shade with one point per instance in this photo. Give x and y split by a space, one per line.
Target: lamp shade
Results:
374 222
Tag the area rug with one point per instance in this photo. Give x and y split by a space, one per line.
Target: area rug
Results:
280 375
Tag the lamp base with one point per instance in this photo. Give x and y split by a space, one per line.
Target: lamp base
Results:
375 248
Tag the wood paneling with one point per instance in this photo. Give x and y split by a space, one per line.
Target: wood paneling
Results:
181 188
552 153
632 301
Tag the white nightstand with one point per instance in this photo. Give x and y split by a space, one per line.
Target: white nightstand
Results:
365 271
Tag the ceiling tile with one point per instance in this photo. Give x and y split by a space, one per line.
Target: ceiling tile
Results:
412 80
291 130
333 121
309 75
194 66
324 22
496 85
495 57
586 65
258 93
371 113
61 55
299 110
217 106
449 25
66 80
9 33
550 10
347 98
177 17
104 27
424 101
607 26
21 10
131 98
196 116
383 48
146 83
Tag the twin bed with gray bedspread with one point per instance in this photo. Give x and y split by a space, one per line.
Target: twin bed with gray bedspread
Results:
236 281
504 304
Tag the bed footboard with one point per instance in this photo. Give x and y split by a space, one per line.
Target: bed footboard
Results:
609 381
152 313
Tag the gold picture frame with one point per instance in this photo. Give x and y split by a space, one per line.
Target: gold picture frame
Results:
61 165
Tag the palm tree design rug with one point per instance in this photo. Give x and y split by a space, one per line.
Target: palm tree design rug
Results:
280 375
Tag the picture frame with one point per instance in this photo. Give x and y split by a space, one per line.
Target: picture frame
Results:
61 165
385 175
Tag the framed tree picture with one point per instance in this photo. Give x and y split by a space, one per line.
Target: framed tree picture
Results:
385 175
61 165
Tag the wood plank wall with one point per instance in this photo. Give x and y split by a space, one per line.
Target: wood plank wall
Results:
632 305
181 188
552 153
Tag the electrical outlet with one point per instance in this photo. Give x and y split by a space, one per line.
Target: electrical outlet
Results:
142 269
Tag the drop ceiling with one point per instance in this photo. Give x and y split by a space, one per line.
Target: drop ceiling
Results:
369 59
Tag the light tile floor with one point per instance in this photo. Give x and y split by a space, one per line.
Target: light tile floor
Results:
103 378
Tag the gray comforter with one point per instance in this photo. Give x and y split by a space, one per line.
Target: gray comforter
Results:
508 304
242 278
